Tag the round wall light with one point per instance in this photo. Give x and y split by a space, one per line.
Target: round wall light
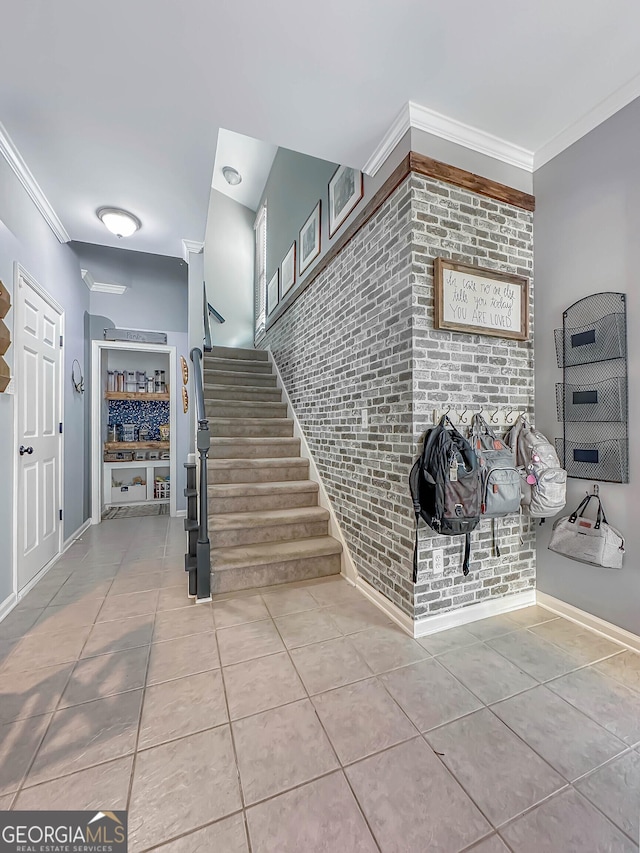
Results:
232 176
119 222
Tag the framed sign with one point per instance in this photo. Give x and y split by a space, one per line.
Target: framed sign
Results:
481 301
309 239
272 291
288 270
345 191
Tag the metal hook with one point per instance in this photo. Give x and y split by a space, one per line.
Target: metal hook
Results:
461 418
493 416
508 416
448 409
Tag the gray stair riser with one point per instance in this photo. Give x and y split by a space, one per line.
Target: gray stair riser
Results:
253 503
254 451
246 354
247 428
273 533
243 393
258 475
233 365
219 377
229 409
231 580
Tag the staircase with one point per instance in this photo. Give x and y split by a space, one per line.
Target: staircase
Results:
265 524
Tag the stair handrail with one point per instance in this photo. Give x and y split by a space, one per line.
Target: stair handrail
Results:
208 311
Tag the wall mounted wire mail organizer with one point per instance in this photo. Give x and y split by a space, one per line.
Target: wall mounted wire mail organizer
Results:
592 400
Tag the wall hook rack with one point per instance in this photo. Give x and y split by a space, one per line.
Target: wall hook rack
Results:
497 417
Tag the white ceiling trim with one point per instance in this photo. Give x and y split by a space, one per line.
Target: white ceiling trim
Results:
25 176
102 286
601 112
416 116
191 246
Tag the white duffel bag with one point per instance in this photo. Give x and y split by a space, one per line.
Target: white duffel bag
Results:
588 540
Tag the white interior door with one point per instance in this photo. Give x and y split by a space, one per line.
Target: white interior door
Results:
38 447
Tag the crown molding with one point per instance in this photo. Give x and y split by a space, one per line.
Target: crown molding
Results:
399 126
189 246
26 178
600 113
102 286
414 115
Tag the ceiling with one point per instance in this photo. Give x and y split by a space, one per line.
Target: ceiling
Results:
119 103
252 158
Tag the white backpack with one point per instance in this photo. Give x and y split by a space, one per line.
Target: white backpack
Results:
543 481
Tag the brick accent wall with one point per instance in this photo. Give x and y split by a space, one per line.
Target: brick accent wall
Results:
361 337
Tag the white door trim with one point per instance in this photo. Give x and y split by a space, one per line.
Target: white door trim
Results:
96 401
19 272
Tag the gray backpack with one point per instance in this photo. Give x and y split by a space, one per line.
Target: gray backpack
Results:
499 479
544 482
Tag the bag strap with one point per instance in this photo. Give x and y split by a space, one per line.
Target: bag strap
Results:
467 554
480 427
415 555
494 538
579 510
600 516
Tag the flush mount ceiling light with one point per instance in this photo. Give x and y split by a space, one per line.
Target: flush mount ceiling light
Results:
232 176
119 222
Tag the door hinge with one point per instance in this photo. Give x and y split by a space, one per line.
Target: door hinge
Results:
61 341
60 428
60 515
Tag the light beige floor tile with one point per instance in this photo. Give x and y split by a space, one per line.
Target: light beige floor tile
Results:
583 645
332 592
387 647
251 640
88 734
258 685
19 742
494 626
178 783
136 567
18 622
410 800
332 663
86 789
361 719
80 588
137 582
5 802
447 641
429 694
235 611
493 844
486 673
225 836
54 619
615 790
566 822
106 675
320 817
192 619
46 650
623 667
608 702
280 749
292 600
117 607
310 626
535 656
184 656
501 774
527 617
568 740
108 637
29 694
357 616
174 597
182 707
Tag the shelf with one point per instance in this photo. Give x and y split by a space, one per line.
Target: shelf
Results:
137 445
132 395
140 463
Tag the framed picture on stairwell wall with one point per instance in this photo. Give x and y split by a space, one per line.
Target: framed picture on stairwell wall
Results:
288 270
309 239
272 292
345 191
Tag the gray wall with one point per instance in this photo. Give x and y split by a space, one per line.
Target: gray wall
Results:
229 250
156 300
587 223
25 237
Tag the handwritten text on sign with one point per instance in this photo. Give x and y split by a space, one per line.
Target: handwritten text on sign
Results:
472 300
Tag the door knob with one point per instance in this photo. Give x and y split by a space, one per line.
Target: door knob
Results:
24 450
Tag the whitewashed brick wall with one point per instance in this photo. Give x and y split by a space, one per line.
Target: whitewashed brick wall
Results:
361 337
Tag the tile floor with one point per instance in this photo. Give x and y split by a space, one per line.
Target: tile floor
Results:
302 721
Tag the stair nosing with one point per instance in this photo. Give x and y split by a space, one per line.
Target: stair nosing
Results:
283 486
266 549
274 518
266 462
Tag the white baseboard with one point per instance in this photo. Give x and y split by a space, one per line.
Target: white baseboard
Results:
453 618
402 619
69 542
7 605
181 513
348 568
588 620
